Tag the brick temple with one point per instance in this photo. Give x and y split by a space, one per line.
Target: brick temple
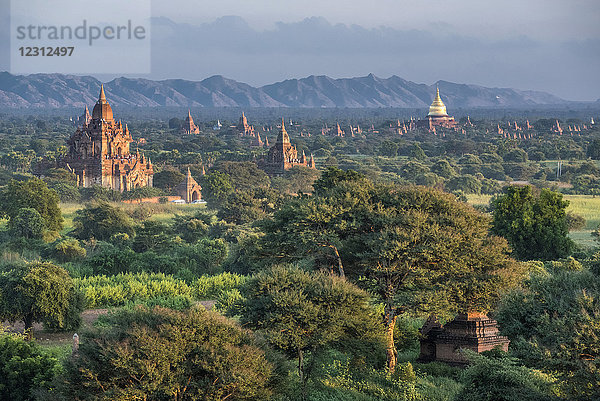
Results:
189 190
473 331
188 126
99 152
283 155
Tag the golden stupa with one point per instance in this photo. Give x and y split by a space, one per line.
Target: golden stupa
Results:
437 108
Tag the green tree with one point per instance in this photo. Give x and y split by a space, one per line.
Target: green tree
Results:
152 235
28 223
100 194
216 187
69 249
443 169
388 148
161 354
56 175
297 179
36 292
66 192
101 221
304 312
499 377
417 249
167 179
535 226
24 368
464 183
192 228
333 176
245 176
35 194
240 208
417 153
593 150
553 323
516 155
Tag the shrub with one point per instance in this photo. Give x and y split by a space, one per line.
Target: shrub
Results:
101 221
68 250
24 367
374 384
105 291
155 354
111 260
210 287
28 223
500 378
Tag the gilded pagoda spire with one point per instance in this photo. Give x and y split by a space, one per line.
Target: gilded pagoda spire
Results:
437 108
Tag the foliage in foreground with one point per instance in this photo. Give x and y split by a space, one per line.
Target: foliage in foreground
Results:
417 249
39 292
161 354
554 325
24 368
501 378
304 313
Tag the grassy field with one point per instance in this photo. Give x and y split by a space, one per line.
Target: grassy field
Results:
166 211
586 206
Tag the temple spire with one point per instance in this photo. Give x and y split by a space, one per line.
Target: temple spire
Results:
102 95
283 136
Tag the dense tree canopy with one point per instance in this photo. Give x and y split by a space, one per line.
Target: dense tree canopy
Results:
37 292
305 312
35 194
553 324
161 354
535 226
28 223
24 368
101 221
417 249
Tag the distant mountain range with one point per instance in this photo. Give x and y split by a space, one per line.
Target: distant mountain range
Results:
56 91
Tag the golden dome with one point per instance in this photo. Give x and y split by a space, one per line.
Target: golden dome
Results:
102 109
437 108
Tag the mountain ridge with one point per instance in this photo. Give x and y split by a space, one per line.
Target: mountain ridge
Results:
314 91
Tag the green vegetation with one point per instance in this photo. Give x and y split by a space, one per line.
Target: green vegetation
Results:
154 354
417 249
535 226
38 292
304 313
24 368
326 275
553 325
104 291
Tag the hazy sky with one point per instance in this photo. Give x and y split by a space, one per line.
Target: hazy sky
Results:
549 45
539 19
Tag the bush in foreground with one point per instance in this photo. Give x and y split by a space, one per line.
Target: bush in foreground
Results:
162 354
